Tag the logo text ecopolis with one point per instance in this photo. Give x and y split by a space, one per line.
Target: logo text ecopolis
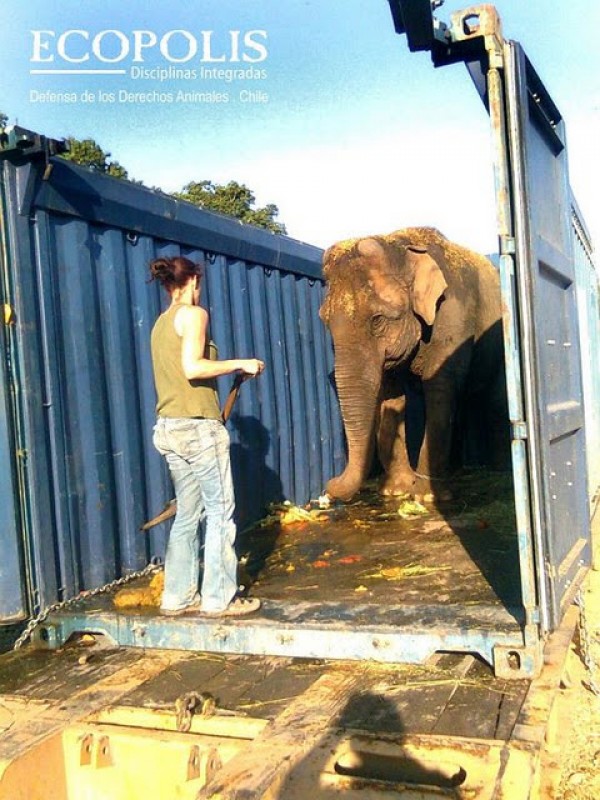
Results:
176 46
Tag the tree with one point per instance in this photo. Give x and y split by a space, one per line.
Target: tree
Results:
89 154
235 200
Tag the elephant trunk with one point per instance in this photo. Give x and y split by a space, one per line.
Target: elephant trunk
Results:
359 395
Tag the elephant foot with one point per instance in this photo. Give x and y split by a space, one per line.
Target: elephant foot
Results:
429 490
341 488
432 490
437 495
398 484
394 491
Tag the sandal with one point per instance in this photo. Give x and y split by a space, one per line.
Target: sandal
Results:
239 607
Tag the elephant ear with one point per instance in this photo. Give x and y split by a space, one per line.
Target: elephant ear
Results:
382 278
429 283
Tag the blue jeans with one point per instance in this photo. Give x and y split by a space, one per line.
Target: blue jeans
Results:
197 452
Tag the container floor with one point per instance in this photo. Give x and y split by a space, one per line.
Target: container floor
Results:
389 552
385 580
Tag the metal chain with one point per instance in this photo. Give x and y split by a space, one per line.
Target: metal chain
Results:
190 704
45 613
585 643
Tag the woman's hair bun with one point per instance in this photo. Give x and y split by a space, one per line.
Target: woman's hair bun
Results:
174 272
161 269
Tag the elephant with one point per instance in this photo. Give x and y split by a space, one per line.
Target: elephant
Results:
412 314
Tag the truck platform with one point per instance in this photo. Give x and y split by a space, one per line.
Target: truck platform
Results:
121 702
97 721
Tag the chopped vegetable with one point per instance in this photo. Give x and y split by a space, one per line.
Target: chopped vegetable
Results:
411 508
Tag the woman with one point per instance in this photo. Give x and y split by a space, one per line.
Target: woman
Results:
190 433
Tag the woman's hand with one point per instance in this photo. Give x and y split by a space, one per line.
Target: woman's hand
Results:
251 366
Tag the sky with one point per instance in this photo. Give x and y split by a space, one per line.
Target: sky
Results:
320 107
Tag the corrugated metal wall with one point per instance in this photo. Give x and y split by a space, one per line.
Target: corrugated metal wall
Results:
78 251
588 301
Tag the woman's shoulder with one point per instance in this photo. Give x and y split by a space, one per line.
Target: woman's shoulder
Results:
190 317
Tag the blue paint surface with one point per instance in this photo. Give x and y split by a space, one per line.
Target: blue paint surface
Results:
80 245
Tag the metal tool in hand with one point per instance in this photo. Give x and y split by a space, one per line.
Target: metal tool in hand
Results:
171 508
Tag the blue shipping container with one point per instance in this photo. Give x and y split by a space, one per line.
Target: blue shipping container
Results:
588 301
77 396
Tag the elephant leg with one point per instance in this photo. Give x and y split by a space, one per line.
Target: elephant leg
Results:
391 415
392 449
440 418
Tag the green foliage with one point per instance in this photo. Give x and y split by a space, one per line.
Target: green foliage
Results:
235 200
89 154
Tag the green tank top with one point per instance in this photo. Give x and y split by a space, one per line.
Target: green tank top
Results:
178 396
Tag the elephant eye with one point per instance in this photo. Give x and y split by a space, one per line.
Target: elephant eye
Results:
378 324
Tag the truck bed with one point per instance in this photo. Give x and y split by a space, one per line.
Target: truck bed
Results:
268 724
107 721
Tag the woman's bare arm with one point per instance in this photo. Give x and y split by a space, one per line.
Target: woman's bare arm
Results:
191 323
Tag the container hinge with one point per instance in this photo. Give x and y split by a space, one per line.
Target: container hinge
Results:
532 617
18 142
519 431
508 245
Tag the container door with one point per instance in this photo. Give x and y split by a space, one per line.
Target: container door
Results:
12 584
550 336
13 603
